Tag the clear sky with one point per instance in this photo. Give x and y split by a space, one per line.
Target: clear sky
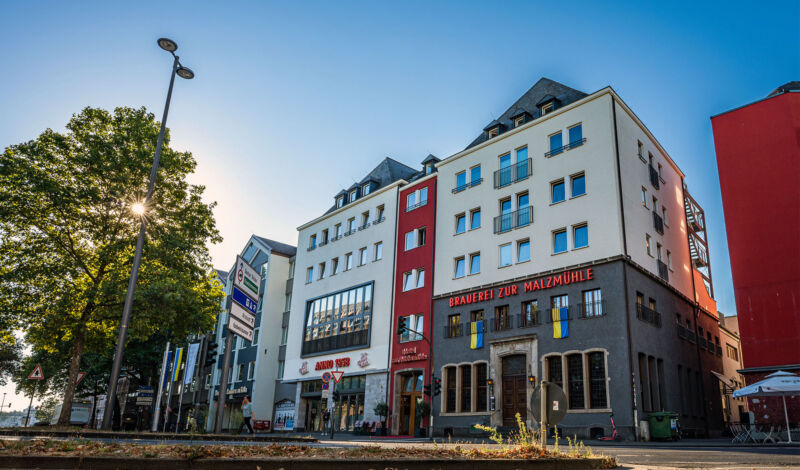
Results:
295 100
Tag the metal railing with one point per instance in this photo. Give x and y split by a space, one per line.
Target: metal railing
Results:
417 205
366 224
377 221
337 237
592 309
311 247
322 243
511 174
453 331
648 315
526 320
548 313
663 270
563 148
349 232
519 218
658 223
468 184
654 177
501 323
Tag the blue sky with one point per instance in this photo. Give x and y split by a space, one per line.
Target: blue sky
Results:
295 100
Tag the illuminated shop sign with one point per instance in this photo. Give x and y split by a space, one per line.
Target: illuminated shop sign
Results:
330 363
410 355
562 279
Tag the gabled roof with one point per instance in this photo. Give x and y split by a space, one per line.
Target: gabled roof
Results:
786 87
387 172
542 91
430 158
278 247
492 125
223 276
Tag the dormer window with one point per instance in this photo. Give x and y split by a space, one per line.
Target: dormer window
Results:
546 108
339 201
493 132
365 189
518 121
429 168
353 195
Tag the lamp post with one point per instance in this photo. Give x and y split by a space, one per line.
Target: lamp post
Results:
140 209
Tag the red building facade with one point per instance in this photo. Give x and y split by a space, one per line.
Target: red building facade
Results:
758 156
411 352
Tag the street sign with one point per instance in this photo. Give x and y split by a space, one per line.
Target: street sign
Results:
81 375
243 316
242 299
325 394
326 385
37 373
337 375
235 326
556 403
246 278
326 377
144 396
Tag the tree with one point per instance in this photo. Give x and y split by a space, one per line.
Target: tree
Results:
67 237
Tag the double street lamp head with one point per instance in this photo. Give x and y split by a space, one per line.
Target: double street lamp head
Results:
171 46
185 72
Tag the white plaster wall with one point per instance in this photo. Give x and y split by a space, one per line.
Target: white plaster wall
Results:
599 207
380 271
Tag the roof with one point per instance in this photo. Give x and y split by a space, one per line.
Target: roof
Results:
223 275
542 91
789 86
431 158
278 247
387 172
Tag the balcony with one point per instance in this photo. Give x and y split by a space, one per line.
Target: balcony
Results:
322 243
654 180
337 237
366 224
528 320
312 246
512 220
470 184
592 309
648 315
349 232
377 221
511 174
333 343
663 271
417 205
658 223
453 331
501 323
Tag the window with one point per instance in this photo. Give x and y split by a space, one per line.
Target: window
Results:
365 189
364 219
655 204
647 242
560 241
284 334
518 121
554 370
475 175
429 168
321 270
380 213
348 261
640 149
324 237
475 316
287 302
461 223
481 387
337 321
363 256
353 195
475 263
459 267
505 206
454 325
523 251
415 323
411 200
557 191
337 230
409 240
423 195
421 236
351 225
660 172
450 390
644 197
474 219
461 181
466 387
664 216
578 185
334 266
575 377
505 255
592 303
291 269
575 135
309 275
597 380
556 144
240 373
420 278
339 201
546 108
731 352
281 368
658 251
502 318
312 243
378 251
255 337
415 238
580 236
251 370
493 132
408 281
530 313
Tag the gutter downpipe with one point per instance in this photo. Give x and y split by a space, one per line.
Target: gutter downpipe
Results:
625 273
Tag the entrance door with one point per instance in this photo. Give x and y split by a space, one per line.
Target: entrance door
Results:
514 389
410 395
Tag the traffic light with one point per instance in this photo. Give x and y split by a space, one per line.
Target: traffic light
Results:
211 354
335 395
437 386
401 325
427 390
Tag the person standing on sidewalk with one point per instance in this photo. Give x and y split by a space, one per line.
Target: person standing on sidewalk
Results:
247 413
326 416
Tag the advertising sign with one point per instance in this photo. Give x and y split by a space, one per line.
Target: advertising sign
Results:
242 299
239 328
246 278
284 416
191 360
243 315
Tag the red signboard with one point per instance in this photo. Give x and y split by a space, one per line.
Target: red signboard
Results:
330 363
562 279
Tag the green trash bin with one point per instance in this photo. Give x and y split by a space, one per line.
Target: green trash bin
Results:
664 425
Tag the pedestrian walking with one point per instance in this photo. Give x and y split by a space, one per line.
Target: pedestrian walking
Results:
326 416
247 413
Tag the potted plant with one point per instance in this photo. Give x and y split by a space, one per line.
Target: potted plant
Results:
382 410
422 411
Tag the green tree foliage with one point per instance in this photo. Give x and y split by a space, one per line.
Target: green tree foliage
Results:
67 237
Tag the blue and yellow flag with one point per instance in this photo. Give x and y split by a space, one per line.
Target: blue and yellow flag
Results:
560 317
476 334
176 369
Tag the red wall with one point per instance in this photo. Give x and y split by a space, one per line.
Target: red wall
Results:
758 157
415 301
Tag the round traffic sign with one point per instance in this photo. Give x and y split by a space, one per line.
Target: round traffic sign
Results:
326 377
556 403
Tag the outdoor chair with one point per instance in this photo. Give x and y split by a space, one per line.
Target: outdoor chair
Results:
760 437
741 434
771 436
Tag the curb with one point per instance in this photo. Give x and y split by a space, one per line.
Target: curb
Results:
154 436
124 463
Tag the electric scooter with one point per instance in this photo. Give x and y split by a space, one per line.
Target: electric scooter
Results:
614 436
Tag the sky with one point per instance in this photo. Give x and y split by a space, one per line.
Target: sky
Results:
293 101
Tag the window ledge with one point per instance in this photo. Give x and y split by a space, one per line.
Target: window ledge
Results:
459 233
559 202
523 262
474 228
559 253
576 197
580 248
642 159
473 274
506 266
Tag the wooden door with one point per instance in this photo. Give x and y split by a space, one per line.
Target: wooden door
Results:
515 389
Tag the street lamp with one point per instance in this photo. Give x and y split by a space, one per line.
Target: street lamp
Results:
139 209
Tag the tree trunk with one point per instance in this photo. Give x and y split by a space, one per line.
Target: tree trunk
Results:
74 368
92 422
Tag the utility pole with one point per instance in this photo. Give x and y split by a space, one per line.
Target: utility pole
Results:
157 413
223 383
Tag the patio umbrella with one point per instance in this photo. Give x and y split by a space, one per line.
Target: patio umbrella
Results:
778 384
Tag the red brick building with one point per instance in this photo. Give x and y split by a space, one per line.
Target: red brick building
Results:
411 352
758 156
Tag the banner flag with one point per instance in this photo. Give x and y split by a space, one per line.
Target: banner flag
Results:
560 317
191 360
476 334
176 369
167 370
